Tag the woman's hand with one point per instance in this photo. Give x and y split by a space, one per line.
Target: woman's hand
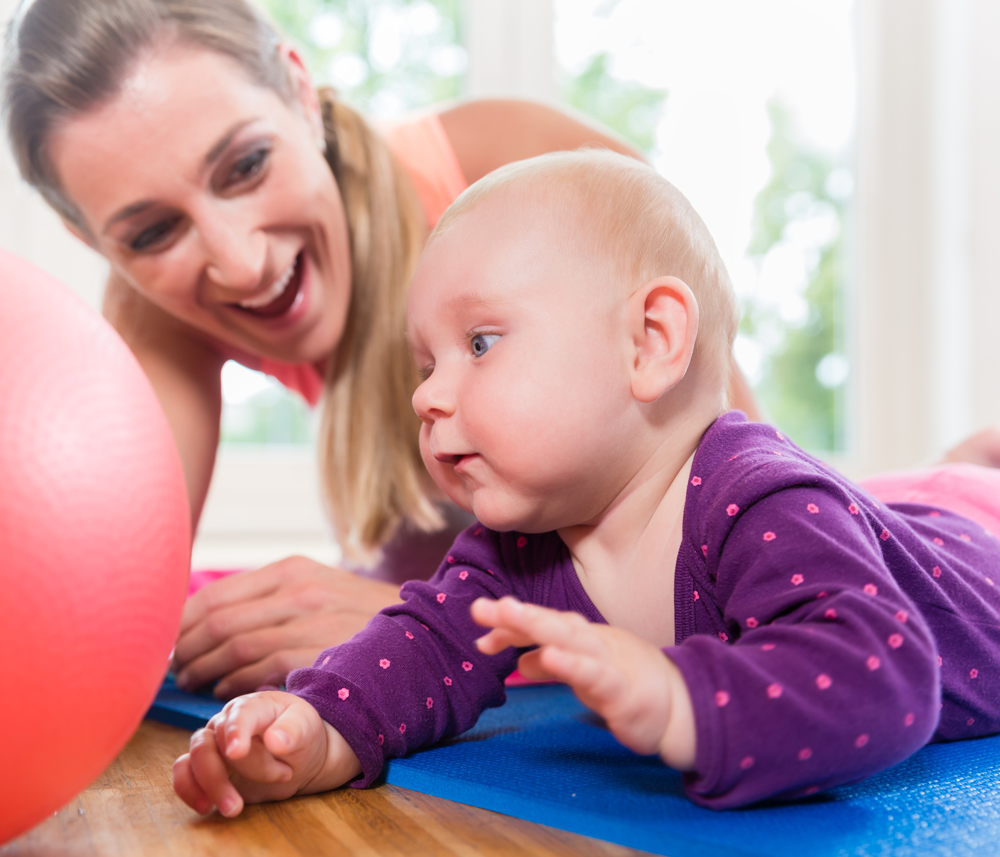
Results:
262 747
252 629
629 682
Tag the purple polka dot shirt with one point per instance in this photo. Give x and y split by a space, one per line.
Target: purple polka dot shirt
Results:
823 636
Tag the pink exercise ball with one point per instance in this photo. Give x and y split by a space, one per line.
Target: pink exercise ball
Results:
94 544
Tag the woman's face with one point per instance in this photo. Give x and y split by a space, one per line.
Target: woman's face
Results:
210 195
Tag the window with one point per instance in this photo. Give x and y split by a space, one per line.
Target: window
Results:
749 109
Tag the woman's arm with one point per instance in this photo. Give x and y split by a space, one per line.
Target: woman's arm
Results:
488 133
184 369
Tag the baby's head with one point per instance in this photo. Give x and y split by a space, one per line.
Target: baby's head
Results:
572 318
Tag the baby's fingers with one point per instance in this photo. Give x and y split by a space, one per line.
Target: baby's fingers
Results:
529 624
187 787
208 770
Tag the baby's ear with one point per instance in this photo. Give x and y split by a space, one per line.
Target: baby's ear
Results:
663 321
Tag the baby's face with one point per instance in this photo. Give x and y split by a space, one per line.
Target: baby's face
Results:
523 345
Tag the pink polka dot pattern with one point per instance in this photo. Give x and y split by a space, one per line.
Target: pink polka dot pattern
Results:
752 622
935 514
447 681
430 702
805 754
938 541
479 531
463 575
723 636
732 509
853 509
973 673
797 579
902 616
965 537
774 690
451 559
746 763
384 663
989 582
521 541
895 640
381 738
812 509
861 740
696 480
811 790
704 550
466 666
873 662
767 647
970 721
441 597
870 589
402 728
769 536
830 613
326 660
823 681
343 693
696 595
721 698
940 661
909 719
936 571
409 636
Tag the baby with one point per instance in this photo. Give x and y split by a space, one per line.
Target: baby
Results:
717 595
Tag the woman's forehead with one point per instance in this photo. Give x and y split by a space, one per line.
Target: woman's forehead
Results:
175 107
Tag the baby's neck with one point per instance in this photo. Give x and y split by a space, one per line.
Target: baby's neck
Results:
625 559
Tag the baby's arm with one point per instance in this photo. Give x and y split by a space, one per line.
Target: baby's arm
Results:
629 682
262 747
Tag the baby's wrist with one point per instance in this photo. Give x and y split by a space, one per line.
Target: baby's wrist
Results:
677 746
340 766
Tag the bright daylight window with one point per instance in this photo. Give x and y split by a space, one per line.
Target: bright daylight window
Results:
747 107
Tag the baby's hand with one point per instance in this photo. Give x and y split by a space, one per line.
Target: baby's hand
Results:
638 691
261 747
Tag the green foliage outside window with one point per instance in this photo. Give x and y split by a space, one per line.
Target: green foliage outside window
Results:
631 109
804 368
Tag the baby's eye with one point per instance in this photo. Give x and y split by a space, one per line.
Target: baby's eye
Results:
483 342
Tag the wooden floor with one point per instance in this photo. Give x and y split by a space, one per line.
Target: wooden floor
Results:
131 811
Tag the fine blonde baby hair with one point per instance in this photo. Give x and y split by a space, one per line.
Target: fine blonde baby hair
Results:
623 212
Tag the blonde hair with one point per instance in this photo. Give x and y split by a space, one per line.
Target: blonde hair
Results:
628 215
65 57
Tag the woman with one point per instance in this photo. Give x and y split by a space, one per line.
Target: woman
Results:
246 216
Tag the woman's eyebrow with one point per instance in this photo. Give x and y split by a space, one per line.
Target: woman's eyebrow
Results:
213 155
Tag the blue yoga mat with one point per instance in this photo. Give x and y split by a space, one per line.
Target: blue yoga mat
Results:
544 757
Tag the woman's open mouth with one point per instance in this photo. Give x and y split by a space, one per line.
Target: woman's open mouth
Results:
280 295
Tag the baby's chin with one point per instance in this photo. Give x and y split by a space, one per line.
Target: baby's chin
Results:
507 520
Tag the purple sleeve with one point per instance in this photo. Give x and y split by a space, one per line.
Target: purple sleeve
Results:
414 676
827 673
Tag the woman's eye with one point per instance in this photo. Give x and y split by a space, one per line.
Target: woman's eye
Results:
483 342
153 235
249 165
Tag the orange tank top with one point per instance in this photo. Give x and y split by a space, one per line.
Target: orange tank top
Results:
423 149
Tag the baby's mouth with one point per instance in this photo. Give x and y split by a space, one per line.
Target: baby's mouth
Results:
280 295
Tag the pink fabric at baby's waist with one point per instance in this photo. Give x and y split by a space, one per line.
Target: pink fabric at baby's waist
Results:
967 489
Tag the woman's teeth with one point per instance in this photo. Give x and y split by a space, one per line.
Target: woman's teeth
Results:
273 292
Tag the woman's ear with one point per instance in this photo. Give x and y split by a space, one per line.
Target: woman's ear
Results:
303 90
663 317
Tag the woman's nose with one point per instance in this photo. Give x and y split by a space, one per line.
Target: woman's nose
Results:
236 255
